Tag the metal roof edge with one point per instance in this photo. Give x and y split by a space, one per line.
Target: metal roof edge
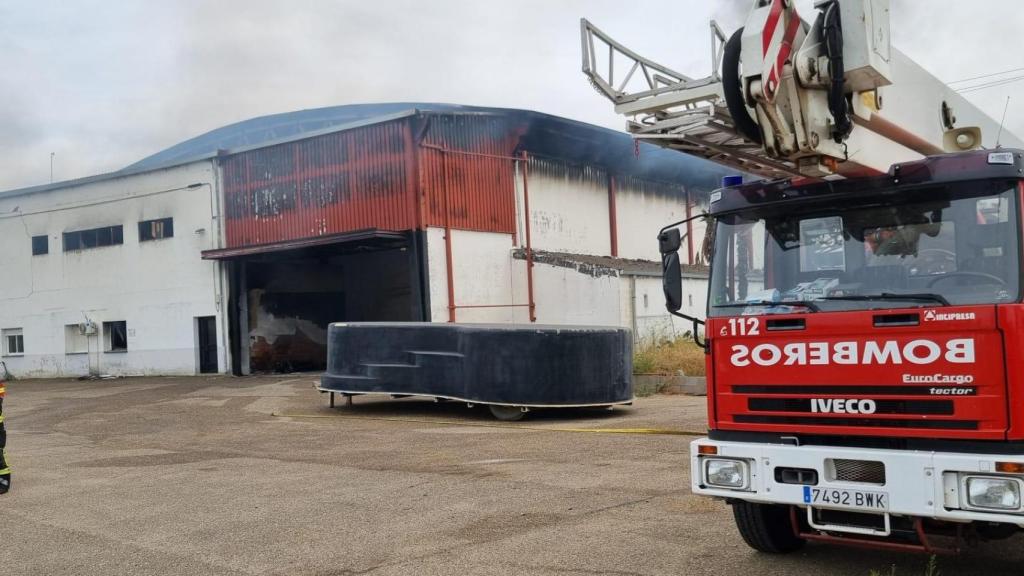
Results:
298 243
123 173
323 131
414 111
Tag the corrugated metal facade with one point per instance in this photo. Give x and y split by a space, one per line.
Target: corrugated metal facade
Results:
571 172
339 182
652 188
461 174
468 159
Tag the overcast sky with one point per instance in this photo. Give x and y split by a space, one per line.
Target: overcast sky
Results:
104 83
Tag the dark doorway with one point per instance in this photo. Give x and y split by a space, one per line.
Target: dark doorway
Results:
284 296
207 326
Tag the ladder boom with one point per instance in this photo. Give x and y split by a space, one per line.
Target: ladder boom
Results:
785 98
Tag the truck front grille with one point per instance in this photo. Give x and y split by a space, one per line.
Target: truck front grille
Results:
857 422
863 471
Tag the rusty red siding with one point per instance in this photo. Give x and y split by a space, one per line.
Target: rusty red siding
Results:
461 173
338 182
468 171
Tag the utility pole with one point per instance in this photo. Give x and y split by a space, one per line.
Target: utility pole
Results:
51 166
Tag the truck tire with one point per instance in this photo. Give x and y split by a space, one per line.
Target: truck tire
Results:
766 528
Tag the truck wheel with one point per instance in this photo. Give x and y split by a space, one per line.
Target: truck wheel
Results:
507 413
766 528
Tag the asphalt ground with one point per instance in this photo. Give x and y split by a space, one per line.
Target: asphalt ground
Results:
257 475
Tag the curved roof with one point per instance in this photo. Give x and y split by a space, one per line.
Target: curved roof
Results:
262 130
557 136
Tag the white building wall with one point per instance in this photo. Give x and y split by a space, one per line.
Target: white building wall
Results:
486 278
642 210
569 212
437 277
566 296
653 324
568 208
158 287
486 273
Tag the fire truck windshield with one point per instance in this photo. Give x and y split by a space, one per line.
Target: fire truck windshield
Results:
942 246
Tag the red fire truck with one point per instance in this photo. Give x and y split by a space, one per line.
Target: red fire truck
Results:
864 327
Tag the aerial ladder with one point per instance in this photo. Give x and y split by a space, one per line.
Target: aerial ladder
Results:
788 98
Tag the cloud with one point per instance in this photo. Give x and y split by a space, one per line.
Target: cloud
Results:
731 14
105 84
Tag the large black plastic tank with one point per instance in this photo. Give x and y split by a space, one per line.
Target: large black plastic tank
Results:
524 366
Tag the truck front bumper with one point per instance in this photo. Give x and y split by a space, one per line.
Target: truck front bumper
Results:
917 484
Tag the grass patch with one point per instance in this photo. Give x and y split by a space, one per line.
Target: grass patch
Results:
669 358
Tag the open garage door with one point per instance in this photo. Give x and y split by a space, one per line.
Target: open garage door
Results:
284 296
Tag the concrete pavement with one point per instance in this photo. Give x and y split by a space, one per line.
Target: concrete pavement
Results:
199 476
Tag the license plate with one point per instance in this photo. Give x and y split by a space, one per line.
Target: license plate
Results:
845 498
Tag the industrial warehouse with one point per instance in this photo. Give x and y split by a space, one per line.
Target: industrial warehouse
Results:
728 287
233 251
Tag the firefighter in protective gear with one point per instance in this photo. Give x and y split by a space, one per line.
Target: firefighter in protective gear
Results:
5 470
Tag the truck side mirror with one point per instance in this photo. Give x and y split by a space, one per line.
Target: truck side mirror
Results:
672 281
669 241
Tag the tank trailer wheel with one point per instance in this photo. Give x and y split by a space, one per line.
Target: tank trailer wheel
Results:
507 413
766 528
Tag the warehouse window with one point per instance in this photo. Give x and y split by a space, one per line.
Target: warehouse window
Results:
94 238
76 339
156 229
40 245
115 336
13 342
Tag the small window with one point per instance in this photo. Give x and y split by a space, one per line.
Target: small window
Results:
94 238
76 338
156 229
115 336
13 342
40 245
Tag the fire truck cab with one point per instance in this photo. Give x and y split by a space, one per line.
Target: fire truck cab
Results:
864 325
863 344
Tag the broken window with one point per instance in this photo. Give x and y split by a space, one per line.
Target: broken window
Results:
94 238
156 229
115 336
40 245
13 342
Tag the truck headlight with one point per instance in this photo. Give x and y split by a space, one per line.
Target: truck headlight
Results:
993 492
723 473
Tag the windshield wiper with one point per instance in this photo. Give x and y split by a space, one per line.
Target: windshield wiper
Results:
804 303
923 296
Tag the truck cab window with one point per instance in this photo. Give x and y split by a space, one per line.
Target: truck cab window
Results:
955 244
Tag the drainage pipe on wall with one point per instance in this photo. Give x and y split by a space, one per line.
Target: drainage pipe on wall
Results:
613 225
529 244
449 266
